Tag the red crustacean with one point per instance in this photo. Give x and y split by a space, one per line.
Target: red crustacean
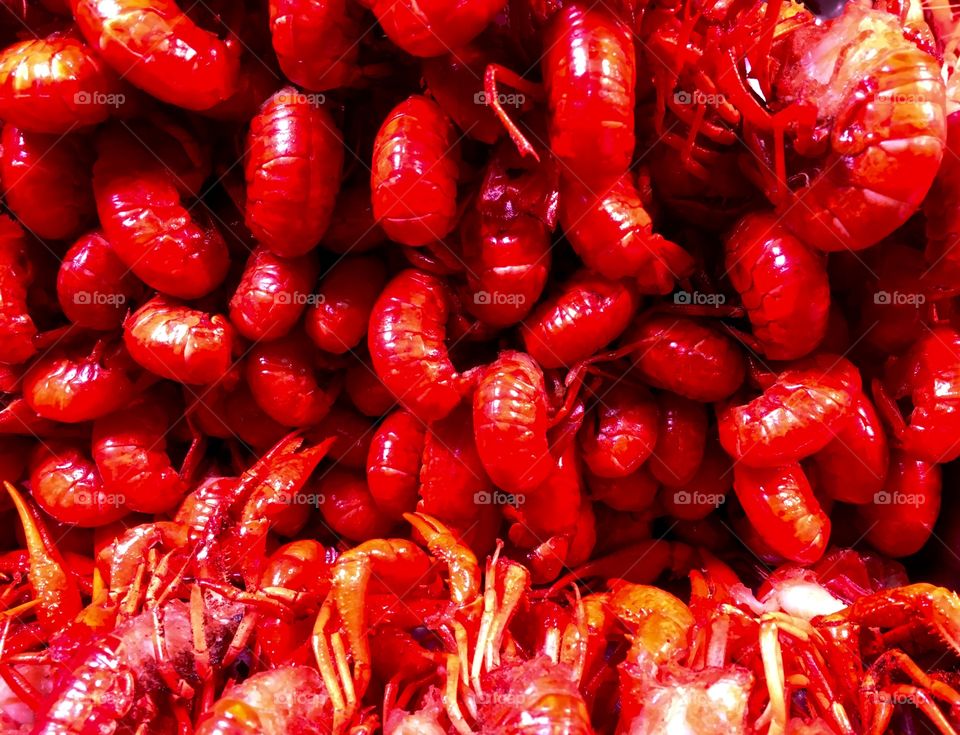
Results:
16 273
80 382
631 494
852 468
66 484
327 351
413 179
351 434
143 218
589 71
393 463
126 675
46 181
547 523
928 376
940 208
272 294
227 411
175 341
584 315
338 320
505 237
406 339
353 228
288 381
55 84
797 415
274 702
349 508
294 155
611 230
368 395
619 432
432 28
304 567
316 42
130 451
898 519
510 422
681 439
783 510
154 45
845 188
452 475
705 491
272 496
685 356
782 283
95 289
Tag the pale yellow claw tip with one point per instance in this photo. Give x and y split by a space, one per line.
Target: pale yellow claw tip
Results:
26 517
425 524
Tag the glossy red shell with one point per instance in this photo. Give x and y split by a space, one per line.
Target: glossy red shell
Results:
585 315
155 46
406 339
292 168
414 174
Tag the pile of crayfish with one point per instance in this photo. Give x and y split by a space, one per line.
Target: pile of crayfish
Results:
439 367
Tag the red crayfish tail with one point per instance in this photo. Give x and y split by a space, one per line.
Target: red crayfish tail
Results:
57 593
669 264
492 96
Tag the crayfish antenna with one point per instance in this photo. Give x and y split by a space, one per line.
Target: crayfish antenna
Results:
493 100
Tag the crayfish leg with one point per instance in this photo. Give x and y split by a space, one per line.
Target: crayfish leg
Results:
493 99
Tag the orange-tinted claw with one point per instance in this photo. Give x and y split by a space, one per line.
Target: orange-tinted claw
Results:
56 590
461 562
